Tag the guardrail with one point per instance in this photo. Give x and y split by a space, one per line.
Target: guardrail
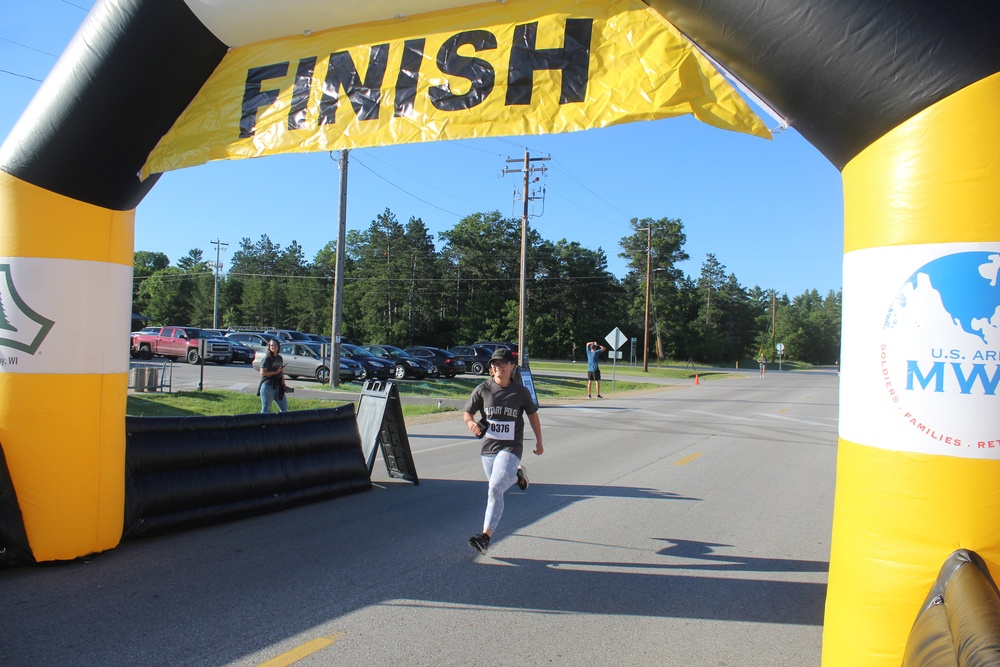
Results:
151 376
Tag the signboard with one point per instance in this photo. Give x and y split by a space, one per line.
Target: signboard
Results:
616 338
529 384
380 421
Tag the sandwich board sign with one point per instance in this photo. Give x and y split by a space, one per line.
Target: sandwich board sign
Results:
380 422
524 376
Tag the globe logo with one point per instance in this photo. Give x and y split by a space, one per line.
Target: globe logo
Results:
939 353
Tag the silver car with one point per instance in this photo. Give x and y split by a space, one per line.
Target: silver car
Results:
300 361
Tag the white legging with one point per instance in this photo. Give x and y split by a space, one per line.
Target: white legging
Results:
501 471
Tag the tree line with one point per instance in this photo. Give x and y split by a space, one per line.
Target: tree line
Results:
401 289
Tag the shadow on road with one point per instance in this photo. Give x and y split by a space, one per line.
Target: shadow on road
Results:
217 594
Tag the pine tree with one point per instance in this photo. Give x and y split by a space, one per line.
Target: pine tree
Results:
4 322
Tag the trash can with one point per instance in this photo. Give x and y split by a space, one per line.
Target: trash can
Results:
152 379
138 379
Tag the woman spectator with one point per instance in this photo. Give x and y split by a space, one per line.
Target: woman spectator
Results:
272 389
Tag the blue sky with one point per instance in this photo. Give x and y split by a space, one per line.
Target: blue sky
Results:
770 211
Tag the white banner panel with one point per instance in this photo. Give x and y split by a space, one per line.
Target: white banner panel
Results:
920 369
64 316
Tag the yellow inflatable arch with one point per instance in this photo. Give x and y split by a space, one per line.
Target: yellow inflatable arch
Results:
899 94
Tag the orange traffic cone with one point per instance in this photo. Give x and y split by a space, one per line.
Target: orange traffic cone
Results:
696 379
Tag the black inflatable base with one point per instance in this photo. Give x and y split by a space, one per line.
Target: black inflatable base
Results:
182 472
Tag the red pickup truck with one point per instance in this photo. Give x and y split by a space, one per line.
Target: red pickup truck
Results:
182 342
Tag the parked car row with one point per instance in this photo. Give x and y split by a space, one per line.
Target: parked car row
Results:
303 353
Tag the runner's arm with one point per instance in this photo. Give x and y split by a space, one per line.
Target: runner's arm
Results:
474 427
536 426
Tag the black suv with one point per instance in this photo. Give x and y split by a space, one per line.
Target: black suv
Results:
492 345
476 357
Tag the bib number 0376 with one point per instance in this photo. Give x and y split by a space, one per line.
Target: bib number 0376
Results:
501 430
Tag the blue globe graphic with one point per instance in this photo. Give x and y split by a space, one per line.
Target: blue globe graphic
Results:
968 286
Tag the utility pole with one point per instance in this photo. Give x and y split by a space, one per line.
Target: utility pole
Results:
218 267
649 256
338 279
527 170
774 306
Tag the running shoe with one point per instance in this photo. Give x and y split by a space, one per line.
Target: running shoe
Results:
522 478
480 542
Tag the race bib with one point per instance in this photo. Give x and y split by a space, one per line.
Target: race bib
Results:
499 430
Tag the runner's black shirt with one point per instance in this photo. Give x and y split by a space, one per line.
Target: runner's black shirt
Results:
503 408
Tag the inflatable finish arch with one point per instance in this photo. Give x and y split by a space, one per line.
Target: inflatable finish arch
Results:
901 95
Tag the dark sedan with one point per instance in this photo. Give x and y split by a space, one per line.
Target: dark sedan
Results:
447 364
405 366
372 366
242 354
476 357
350 369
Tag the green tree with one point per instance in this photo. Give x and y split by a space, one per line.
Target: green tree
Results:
725 316
309 290
202 298
200 289
253 283
483 255
167 297
574 298
662 243
192 262
145 264
423 279
809 327
399 289
380 278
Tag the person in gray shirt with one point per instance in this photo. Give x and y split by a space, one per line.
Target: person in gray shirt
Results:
502 404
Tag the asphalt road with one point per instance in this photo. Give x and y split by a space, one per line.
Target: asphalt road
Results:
688 527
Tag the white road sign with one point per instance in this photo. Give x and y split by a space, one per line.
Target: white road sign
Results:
616 338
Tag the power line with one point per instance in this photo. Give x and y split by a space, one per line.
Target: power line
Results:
23 76
25 46
588 211
462 144
594 194
405 191
371 155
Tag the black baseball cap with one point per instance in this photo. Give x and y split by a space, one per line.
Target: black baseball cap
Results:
502 353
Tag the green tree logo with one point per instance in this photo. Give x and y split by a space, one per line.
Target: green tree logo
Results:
4 322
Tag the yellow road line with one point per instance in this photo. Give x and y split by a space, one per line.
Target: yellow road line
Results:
687 459
299 652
